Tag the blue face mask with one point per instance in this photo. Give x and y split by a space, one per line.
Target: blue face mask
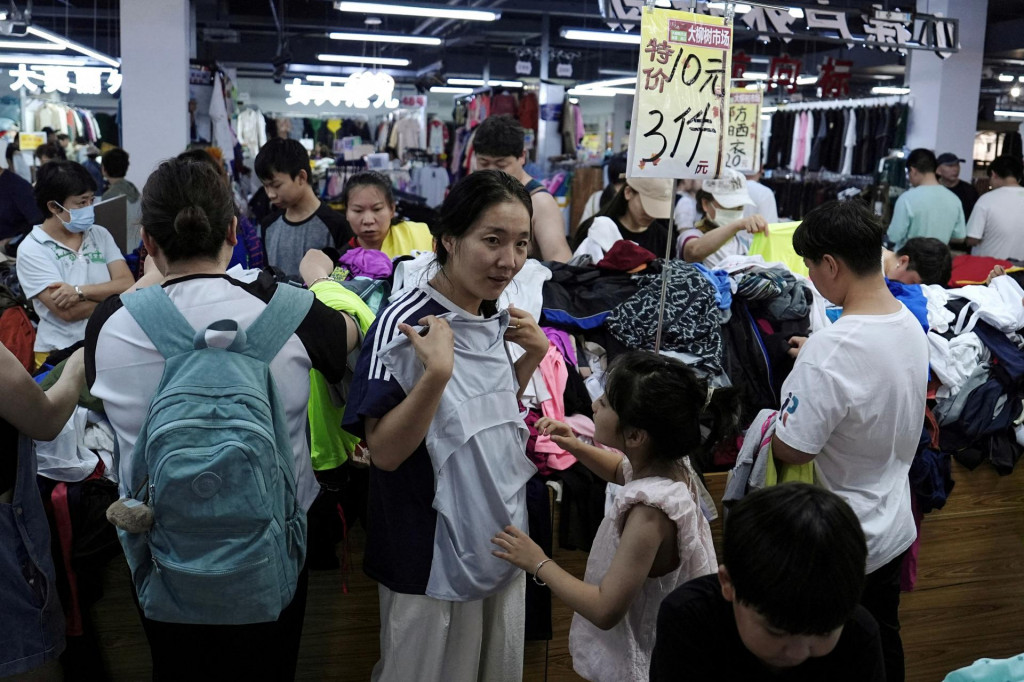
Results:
82 219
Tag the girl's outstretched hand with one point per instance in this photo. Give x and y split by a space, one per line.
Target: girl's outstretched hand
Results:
560 432
517 548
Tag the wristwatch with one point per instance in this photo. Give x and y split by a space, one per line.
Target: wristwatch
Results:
81 294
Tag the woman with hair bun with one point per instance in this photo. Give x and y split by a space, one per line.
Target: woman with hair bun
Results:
189 230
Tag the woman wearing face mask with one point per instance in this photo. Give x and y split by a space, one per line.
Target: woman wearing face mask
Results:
634 210
67 265
722 231
370 211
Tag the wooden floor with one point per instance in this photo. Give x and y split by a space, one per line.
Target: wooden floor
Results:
969 602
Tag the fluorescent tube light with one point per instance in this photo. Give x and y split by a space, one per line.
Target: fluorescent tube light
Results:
1009 114
600 36
28 45
439 12
769 110
451 90
478 82
1005 78
71 45
610 83
806 80
755 75
384 38
889 90
741 7
327 79
44 60
356 59
601 92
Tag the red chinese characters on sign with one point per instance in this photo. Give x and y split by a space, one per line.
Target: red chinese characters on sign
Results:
834 79
740 64
659 52
783 72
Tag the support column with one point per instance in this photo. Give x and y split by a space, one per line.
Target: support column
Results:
621 119
549 139
944 110
155 38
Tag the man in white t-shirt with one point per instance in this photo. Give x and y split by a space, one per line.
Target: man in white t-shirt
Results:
996 227
855 400
763 197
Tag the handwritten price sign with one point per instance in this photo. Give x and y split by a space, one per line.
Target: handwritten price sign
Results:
743 132
678 126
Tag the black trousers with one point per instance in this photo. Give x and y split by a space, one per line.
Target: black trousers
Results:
259 651
882 599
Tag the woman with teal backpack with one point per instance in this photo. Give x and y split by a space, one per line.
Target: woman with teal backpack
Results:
205 380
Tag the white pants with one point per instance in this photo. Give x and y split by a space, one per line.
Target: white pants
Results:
423 639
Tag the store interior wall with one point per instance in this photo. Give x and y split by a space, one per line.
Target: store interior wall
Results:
945 92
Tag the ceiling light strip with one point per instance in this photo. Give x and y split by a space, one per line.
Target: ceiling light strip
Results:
417 11
71 45
385 38
356 59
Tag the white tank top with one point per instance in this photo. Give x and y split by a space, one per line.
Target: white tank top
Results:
623 653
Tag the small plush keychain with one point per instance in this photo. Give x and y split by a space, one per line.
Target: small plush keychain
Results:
130 515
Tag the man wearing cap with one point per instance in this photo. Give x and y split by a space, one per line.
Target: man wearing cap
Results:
927 209
723 231
949 177
995 227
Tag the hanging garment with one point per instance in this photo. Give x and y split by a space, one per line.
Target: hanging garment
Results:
479 463
690 321
776 246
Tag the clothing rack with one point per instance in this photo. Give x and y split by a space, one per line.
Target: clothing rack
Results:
839 103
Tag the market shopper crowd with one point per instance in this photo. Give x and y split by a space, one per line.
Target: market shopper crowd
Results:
244 370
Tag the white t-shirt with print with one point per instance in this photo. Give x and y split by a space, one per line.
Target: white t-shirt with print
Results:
996 221
856 397
43 261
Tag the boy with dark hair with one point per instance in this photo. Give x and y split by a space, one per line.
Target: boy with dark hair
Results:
928 209
784 604
301 221
922 260
114 164
855 400
994 229
498 144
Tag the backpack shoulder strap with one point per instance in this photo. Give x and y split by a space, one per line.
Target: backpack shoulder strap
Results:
160 319
275 325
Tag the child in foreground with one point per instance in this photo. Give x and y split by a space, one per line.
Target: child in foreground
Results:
784 605
655 537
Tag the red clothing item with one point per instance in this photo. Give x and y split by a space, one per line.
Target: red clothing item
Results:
969 269
529 111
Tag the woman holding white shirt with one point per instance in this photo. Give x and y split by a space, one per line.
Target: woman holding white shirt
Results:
723 231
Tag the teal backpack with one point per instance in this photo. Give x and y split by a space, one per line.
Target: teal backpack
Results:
214 461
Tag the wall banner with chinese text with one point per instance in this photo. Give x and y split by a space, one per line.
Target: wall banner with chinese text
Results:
678 125
743 133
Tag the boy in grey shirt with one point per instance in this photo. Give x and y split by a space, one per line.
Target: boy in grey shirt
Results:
301 221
